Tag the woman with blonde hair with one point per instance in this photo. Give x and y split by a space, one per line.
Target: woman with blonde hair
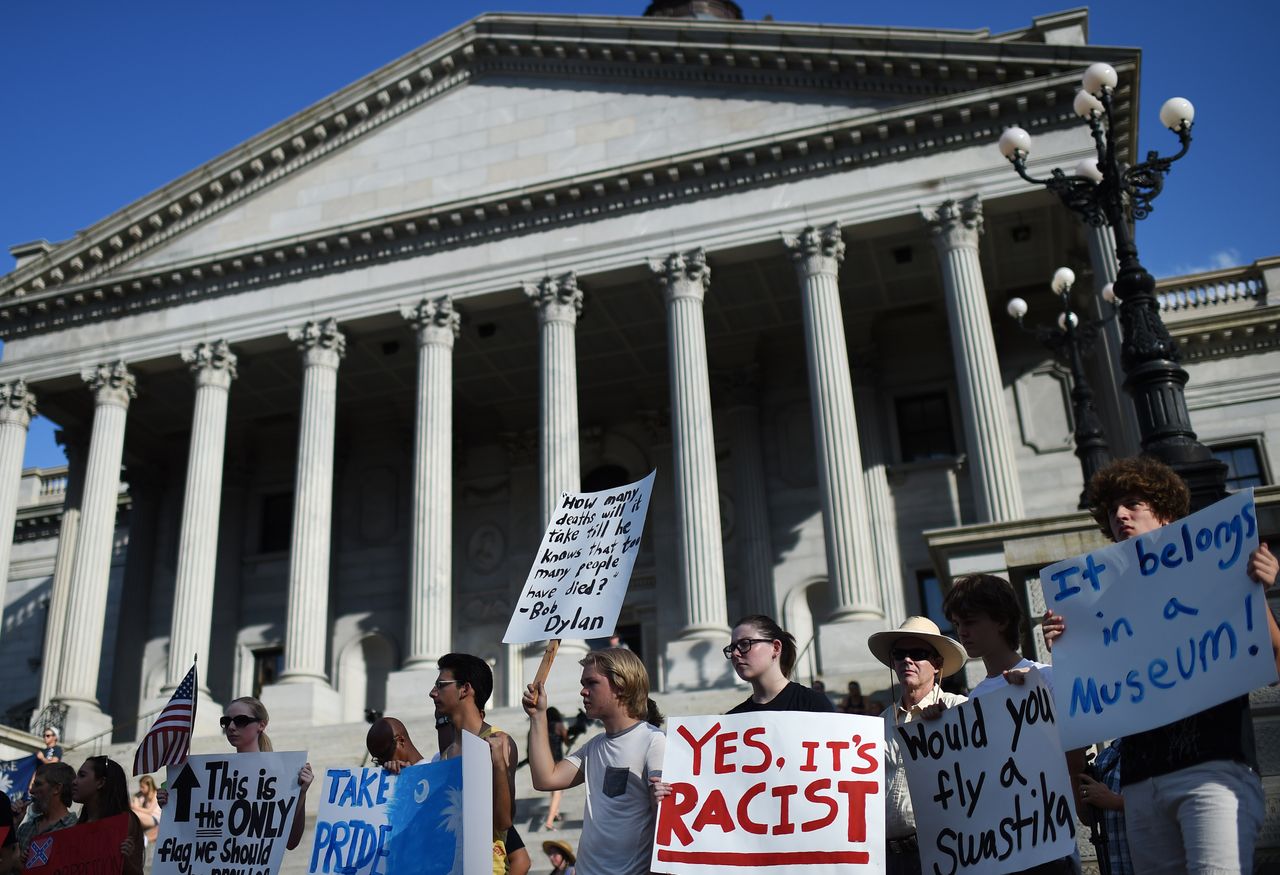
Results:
146 808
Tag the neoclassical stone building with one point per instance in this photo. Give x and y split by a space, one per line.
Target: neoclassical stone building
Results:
319 393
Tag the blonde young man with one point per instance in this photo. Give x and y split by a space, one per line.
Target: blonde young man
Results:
620 816
921 656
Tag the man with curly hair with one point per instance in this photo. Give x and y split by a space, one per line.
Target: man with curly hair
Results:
1192 802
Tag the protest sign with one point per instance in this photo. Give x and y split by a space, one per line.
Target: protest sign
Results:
1160 626
86 849
579 578
989 783
229 814
16 775
794 792
374 823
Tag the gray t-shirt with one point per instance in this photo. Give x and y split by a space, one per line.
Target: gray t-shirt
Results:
618 824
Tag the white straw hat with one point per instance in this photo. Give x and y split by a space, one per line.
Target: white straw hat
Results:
953 655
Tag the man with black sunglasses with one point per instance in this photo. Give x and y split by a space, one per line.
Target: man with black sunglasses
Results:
921 656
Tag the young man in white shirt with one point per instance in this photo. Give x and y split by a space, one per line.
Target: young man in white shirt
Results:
620 816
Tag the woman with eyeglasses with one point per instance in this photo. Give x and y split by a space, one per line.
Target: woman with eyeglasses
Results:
102 790
763 654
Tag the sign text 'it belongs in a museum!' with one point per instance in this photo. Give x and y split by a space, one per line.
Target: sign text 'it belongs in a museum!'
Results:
580 575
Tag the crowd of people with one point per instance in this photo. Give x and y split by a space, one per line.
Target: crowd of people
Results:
1184 797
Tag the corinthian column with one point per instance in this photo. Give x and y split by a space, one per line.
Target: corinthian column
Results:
303 692
60 587
113 387
214 367
993 470
884 524
684 278
751 502
17 406
559 304
436 325
846 525
558 301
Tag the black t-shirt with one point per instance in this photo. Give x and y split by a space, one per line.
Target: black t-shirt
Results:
794 697
1223 732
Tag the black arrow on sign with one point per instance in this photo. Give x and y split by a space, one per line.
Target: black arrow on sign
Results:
182 787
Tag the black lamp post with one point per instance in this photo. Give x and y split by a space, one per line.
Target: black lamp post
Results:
1072 340
1108 192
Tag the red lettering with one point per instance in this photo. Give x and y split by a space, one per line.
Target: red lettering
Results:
696 744
749 739
683 799
714 811
784 825
725 746
810 747
744 819
836 747
812 793
864 751
857 792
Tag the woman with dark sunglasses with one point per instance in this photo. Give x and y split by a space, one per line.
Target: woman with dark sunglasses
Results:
763 654
244 722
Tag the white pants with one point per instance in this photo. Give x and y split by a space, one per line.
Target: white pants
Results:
1203 819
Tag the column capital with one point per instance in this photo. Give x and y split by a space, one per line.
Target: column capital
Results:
817 250
111 383
558 299
214 364
955 223
320 342
434 320
17 403
683 274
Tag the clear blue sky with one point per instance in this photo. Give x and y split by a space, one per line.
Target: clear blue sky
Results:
106 102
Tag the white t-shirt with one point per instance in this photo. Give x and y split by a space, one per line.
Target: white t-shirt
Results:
618 824
995 683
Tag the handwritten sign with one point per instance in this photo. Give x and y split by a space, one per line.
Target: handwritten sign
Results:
228 814
371 822
1159 626
579 578
352 835
989 783
85 849
796 792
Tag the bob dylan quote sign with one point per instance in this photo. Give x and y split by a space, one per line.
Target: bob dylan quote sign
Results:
1160 626
793 792
580 576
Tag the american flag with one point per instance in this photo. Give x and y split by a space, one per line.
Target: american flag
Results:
169 740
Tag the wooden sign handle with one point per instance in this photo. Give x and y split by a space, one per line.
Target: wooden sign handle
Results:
548 657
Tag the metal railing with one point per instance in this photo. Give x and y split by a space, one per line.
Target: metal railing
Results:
1203 290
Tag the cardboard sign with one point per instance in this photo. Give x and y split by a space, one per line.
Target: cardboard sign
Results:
793 792
579 578
1160 626
374 823
229 813
989 783
89 848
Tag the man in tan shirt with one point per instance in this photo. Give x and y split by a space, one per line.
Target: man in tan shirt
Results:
921 656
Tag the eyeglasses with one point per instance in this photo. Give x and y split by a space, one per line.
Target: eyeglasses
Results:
240 720
915 654
743 646
440 685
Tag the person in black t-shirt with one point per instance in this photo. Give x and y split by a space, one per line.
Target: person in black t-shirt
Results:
1192 801
763 655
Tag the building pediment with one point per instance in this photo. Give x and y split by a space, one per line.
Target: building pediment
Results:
852 96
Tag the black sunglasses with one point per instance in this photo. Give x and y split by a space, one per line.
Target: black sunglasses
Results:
916 654
743 646
240 720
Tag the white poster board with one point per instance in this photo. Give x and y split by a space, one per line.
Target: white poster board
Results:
580 575
989 783
1160 626
229 814
793 792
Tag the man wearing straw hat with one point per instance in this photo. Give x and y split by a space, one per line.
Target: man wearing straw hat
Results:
560 853
921 656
